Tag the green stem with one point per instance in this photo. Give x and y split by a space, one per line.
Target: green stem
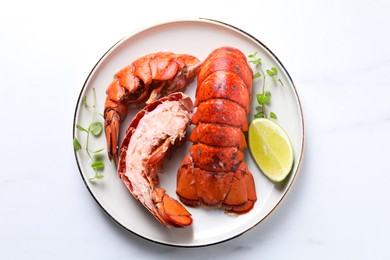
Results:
89 131
262 90
92 108
94 101
87 145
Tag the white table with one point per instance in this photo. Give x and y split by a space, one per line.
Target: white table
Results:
338 55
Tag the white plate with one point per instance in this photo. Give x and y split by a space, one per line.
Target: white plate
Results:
197 37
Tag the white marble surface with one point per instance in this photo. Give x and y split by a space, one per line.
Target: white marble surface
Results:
338 55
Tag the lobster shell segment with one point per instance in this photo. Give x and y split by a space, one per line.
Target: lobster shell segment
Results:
227 59
218 135
152 135
221 111
214 174
225 85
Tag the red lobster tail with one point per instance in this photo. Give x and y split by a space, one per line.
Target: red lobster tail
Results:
138 168
214 174
144 80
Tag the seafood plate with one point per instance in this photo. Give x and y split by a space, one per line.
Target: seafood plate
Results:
210 225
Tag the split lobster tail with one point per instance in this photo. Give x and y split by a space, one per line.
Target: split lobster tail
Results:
144 80
214 173
153 135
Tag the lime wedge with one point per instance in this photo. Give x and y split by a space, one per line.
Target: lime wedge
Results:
271 148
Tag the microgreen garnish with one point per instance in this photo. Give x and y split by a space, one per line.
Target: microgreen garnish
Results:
81 128
95 128
272 72
76 144
264 97
256 75
97 164
273 115
85 102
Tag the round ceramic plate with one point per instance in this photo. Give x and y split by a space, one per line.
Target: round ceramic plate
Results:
197 37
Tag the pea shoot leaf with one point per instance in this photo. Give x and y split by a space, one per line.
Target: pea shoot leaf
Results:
259 115
281 83
273 115
252 55
85 101
81 128
264 99
97 164
256 61
272 72
76 144
96 128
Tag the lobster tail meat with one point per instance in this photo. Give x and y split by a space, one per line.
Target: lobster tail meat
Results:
153 134
214 173
144 80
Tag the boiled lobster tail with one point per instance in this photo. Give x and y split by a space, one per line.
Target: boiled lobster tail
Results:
144 80
152 135
214 173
